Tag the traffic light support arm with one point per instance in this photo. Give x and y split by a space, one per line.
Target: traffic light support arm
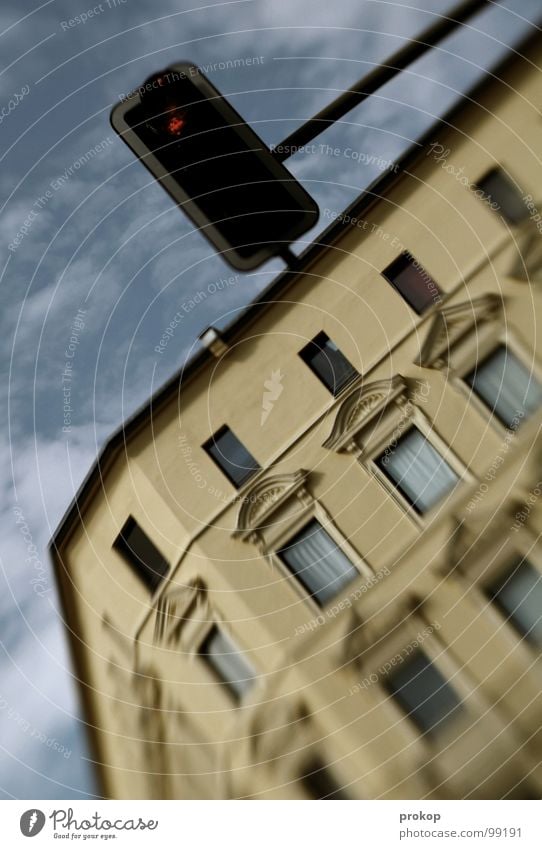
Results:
378 77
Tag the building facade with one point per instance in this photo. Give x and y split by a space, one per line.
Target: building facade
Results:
310 567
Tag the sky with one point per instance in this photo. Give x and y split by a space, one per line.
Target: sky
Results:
95 260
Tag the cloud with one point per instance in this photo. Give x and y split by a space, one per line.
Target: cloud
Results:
36 687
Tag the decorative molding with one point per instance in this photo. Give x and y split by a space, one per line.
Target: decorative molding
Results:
527 266
173 609
266 496
451 323
359 408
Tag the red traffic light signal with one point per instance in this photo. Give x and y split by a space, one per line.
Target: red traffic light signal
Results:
214 166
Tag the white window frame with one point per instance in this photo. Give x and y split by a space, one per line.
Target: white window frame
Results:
365 426
463 361
211 675
412 416
483 568
287 506
318 513
184 619
466 688
473 330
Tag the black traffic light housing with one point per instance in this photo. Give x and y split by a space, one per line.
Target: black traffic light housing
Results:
214 166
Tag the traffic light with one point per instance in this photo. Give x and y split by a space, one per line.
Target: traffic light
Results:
214 166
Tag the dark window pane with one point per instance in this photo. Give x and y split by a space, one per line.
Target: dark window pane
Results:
328 363
318 562
227 662
231 456
499 189
319 783
519 595
509 389
413 282
417 470
142 555
423 693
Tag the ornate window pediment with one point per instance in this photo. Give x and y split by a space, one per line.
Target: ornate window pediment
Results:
453 324
384 426
262 502
361 408
174 614
298 537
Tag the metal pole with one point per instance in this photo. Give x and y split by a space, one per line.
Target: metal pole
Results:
378 77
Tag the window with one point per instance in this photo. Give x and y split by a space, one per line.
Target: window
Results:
413 282
318 782
142 555
328 363
519 595
227 662
499 189
316 560
509 389
231 456
423 693
417 470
